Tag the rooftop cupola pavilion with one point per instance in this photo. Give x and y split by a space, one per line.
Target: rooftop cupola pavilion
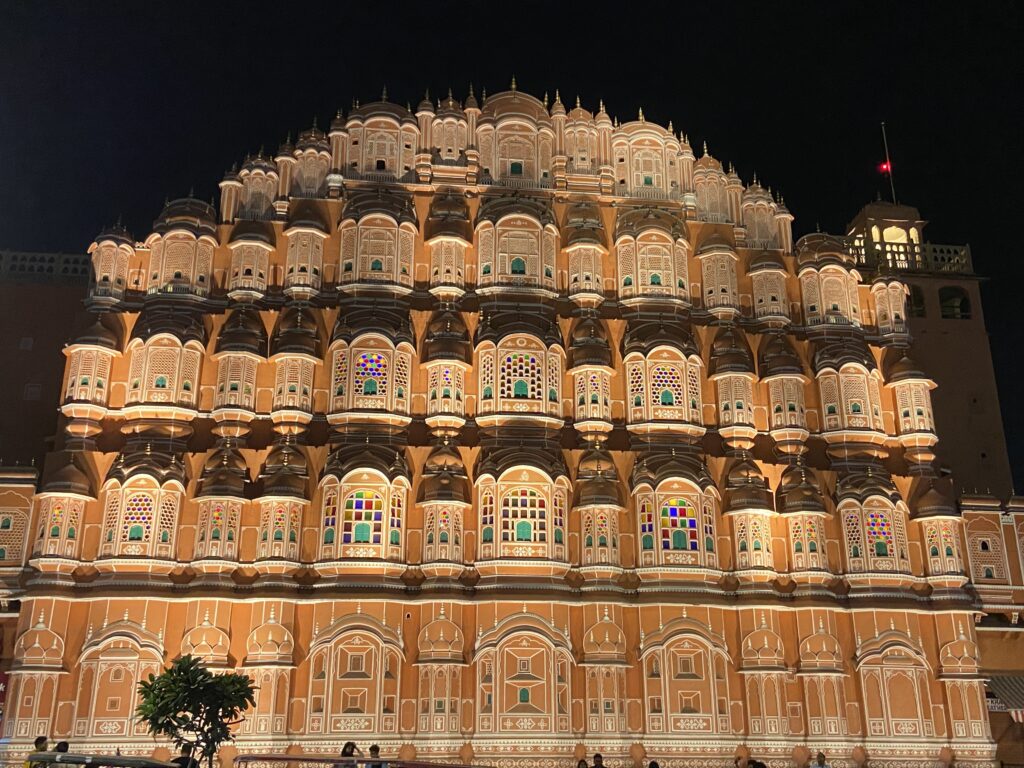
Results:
504 431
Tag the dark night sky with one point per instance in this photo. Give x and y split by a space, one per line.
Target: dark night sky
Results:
105 108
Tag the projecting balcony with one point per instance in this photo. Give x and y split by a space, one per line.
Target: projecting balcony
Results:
581 169
914 257
179 286
517 182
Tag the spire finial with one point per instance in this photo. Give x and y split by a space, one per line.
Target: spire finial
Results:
640 116
706 147
513 85
670 128
471 90
577 101
600 105
544 101
384 93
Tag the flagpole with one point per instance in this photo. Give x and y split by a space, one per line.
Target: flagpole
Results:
888 163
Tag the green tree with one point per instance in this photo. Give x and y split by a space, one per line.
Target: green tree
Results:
194 707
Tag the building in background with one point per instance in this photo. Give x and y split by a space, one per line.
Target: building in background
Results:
41 295
502 432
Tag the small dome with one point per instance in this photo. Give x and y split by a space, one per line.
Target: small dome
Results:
584 226
243 331
821 651
139 457
307 214
182 324
441 641
798 492
933 498
633 221
534 319
313 138
444 476
835 353
207 642
269 643
384 315
39 646
117 233
898 366
225 474
776 357
388 460
589 344
730 352
767 261
494 209
684 463
819 248
380 202
246 230
296 332
69 477
604 642
449 217
714 243
762 648
548 459
668 330
746 488
101 333
860 483
447 338
189 214
597 481
285 471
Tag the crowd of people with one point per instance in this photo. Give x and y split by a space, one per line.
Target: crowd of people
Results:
350 752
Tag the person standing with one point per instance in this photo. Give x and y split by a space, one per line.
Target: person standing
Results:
820 761
185 759
39 745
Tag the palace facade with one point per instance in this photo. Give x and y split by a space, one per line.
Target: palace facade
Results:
503 432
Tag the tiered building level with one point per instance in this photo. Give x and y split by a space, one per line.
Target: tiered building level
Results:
500 431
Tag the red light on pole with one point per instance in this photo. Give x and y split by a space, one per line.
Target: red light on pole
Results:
885 167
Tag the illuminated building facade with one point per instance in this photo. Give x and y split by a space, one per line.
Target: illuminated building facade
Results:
503 432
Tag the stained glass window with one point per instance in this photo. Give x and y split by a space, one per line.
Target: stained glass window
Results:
364 515
678 525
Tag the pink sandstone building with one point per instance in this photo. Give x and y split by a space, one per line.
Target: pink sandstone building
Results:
502 432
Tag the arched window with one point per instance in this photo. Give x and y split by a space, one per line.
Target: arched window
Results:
678 525
518 266
954 303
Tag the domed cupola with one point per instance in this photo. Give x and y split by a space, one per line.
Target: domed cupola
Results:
589 345
386 460
68 478
313 139
597 481
746 488
142 458
386 317
536 320
225 474
441 641
837 352
243 331
776 357
799 498
766 261
39 648
859 483
444 476
271 643
447 337
284 472
296 333
251 244
448 218
187 214
182 326
768 274
730 353
660 464
644 335
798 492
819 249
584 225
933 497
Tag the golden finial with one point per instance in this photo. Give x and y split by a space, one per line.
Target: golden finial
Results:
706 148
601 105
384 93
513 86
544 101
640 117
577 101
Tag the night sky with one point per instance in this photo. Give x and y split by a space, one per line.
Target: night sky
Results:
108 108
